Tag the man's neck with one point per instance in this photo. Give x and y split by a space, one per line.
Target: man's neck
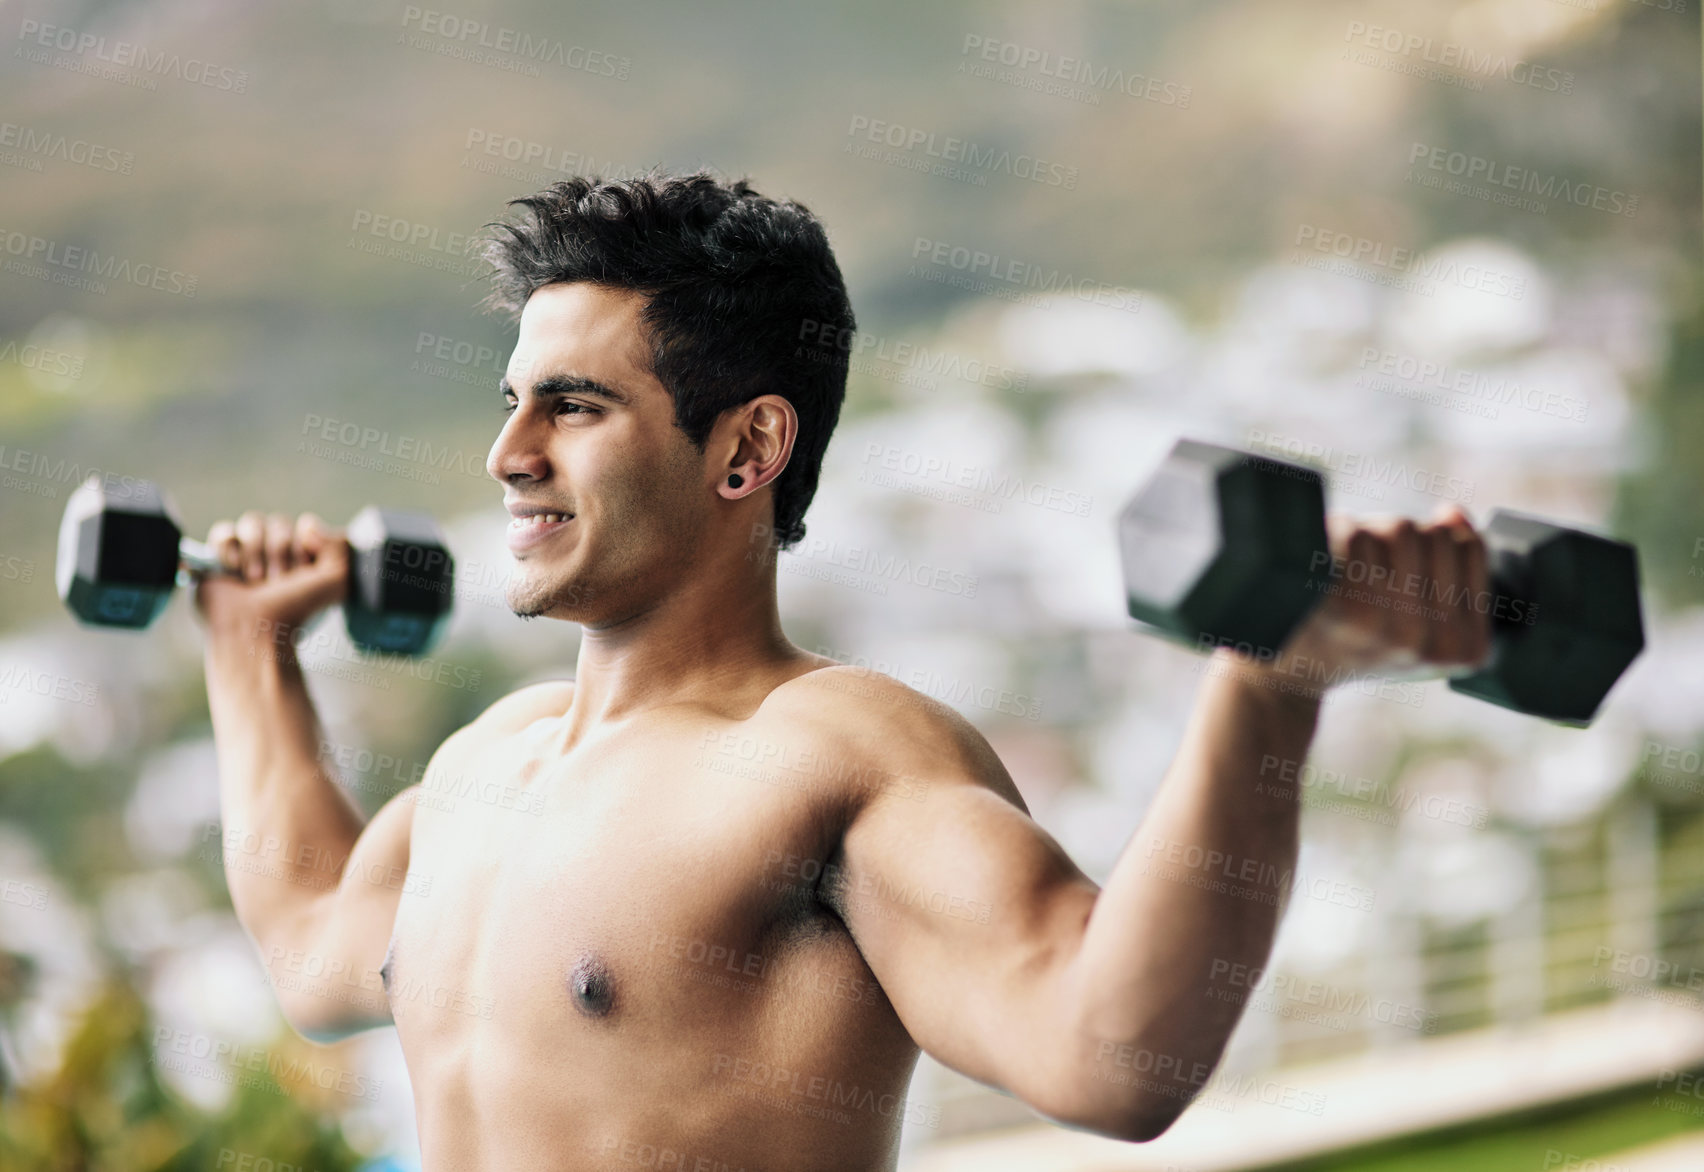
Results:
725 652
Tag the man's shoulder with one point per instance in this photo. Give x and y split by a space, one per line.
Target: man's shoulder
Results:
838 692
884 728
518 709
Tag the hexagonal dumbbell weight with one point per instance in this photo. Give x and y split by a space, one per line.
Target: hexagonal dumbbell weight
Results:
120 550
1222 547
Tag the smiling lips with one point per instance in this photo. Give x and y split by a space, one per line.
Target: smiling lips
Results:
528 529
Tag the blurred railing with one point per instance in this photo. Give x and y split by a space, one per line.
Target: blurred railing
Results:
1616 909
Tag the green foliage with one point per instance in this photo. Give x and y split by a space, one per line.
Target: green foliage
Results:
107 1109
1661 508
1581 1131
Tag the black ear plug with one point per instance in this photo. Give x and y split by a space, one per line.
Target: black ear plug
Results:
734 480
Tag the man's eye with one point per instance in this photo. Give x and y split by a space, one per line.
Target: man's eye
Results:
567 407
509 406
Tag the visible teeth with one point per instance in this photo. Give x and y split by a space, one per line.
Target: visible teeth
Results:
541 518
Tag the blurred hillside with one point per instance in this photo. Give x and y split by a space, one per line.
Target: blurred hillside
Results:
344 119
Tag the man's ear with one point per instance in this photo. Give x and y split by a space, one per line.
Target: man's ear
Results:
758 443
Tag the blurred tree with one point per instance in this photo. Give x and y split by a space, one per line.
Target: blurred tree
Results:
107 1109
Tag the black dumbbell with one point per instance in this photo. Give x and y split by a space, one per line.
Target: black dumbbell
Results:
120 550
1225 548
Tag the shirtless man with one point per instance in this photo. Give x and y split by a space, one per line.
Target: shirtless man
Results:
756 881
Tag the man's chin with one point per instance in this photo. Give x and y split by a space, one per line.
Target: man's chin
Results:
530 601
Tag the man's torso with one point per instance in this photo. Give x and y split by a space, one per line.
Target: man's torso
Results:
622 957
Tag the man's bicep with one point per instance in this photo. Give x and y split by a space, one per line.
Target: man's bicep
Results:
330 985
969 914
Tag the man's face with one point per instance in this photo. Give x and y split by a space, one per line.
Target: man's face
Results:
590 442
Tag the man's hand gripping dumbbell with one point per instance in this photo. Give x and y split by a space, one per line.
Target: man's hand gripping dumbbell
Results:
1233 551
259 577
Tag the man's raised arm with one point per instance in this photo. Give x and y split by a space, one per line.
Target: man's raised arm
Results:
313 888
1006 963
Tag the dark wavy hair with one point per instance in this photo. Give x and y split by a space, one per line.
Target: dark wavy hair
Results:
744 298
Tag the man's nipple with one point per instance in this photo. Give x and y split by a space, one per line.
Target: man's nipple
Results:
591 988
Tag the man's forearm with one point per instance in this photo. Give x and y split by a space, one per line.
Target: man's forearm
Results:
1199 888
287 827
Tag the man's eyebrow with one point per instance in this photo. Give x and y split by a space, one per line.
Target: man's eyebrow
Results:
567 384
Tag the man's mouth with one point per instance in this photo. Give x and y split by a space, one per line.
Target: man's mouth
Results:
527 529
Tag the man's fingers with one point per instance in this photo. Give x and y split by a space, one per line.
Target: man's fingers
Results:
1474 567
279 537
1403 555
1365 552
1441 601
311 538
222 544
251 537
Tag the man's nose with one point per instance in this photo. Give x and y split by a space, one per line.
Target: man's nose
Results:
518 453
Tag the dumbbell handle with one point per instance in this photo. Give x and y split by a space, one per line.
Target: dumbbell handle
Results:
198 557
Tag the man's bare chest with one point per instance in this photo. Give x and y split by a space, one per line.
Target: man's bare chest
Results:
634 886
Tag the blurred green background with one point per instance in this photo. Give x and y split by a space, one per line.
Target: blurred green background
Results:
1249 203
